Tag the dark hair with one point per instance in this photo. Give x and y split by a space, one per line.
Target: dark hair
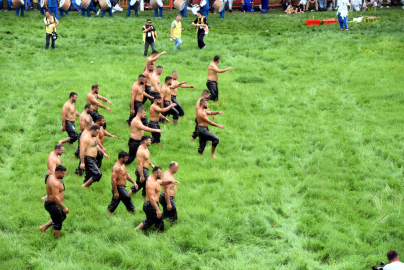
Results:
159 67
122 154
99 118
88 106
95 86
148 20
157 97
168 78
154 52
216 58
172 164
145 137
72 94
392 254
150 64
205 91
58 146
202 101
156 168
60 168
95 127
200 12
140 109
141 76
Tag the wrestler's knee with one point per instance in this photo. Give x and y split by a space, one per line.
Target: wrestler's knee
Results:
215 141
73 137
97 176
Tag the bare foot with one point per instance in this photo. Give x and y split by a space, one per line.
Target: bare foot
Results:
213 156
109 213
192 139
42 229
134 212
199 154
43 198
182 117
83 186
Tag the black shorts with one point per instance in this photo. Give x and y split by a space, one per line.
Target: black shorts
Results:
204 136
141 185
172 214
178 107
147 89
172 111
151 217
133 146
155 135
213 89
92 171
56 213
124 197
46 178
71 131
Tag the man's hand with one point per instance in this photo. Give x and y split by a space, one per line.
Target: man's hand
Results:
184 82
183 29
230 68
82 165
158 213
163 52
116 195
175 182
108 109
191 86
173 105
159 131
108 101
168 121
114 136
171 37
137 188
220 126
63 128
132 112
106 156
221 112
65 210
169 207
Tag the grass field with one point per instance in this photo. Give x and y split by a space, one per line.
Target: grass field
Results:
310 174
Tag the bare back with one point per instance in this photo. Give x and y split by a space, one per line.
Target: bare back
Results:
70 110
212 74
147 73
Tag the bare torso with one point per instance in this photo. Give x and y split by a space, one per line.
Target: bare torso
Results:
91 150
144 153
200 116
95 105
51 197
121 175
137 90
174 91
152 183
53 161
147 74
71 111
135 132
166 91
154 115
155 81
101 136
212 75
171 188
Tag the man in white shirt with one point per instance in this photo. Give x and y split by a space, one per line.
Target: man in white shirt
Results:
394 263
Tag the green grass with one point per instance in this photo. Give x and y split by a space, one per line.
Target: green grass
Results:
310 174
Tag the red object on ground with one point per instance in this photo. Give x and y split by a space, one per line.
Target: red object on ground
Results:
330 21
313 22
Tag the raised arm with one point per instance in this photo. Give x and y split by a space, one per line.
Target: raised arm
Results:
167 182
166 109
213 113
152 59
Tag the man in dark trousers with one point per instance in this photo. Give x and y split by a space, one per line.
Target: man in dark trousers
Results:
50 25
149 35
200 23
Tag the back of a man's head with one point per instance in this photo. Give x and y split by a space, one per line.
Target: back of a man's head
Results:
392 255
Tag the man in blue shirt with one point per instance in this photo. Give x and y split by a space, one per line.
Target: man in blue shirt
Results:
53 7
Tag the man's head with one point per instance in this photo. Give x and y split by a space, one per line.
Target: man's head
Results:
123 157
95 88
216 59
100 120
199 13
154 53
60 171
174 74
141 79
173 167
73 96
158 172
88 108
203 103
146 140
178 18
59 149
205 94
157 100
48 14
148 22
392 255
94 130
159 70
150 66
141 112
169 80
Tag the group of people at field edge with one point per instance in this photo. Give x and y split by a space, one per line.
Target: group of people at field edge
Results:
91 144
301 6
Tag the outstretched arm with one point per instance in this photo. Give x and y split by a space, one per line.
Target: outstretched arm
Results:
104 99
93 100
206 119
141 126
106 133
213 113
215 68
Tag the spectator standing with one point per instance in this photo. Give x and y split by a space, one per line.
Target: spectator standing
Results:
50 24
176 32
149 36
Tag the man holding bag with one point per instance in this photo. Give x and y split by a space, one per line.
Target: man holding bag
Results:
50 25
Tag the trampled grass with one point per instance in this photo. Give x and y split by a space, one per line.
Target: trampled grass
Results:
310 171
